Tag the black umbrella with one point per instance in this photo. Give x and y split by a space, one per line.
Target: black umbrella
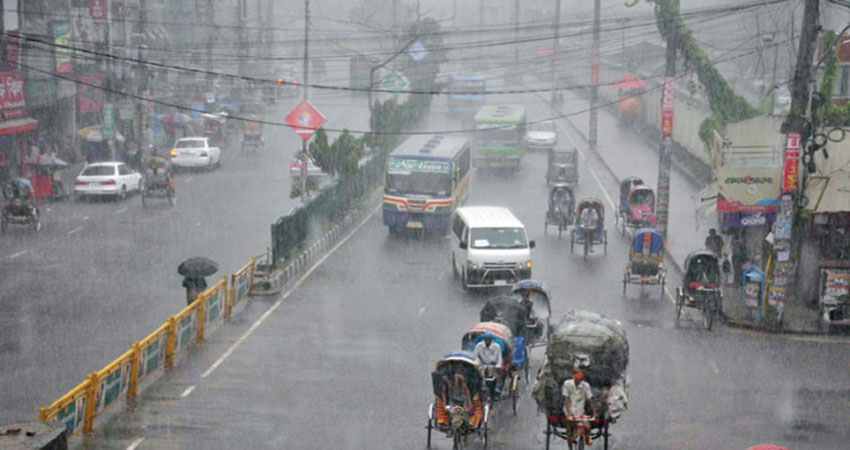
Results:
197 266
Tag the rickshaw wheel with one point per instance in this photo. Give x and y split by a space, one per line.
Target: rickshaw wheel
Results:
560 229
548 433
3 225
572 241
429 427
526 363
605 436
708 311
35 221
486 437
625 281
605 242
587 241
546 224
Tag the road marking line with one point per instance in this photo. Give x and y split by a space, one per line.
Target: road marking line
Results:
670 296
187 391
421 311
121 210
135 443
714 367
188 180
18 254
286 295
75 230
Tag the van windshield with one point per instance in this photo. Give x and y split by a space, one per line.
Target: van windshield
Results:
498 238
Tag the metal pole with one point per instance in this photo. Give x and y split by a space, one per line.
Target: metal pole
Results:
305 86
556 26
662 206
594 78
516 40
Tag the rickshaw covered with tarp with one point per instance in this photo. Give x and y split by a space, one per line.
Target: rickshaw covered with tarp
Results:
562 166
586 233
158 181
252 135
496 387
560 212
646 260
599 346
507 311
538 312
639 210
213 125
454 420
19 205
700 286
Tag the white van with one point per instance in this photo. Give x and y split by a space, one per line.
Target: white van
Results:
489 247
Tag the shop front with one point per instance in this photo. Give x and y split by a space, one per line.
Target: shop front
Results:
16 127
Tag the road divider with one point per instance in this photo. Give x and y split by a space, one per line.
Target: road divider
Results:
78 409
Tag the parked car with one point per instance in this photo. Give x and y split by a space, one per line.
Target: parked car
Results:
542 135
107 178
195 152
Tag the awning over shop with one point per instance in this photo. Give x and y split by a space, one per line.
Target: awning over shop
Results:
829 194
17 125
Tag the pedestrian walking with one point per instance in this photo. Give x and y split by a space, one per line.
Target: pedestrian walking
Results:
714 242
194 285
739 258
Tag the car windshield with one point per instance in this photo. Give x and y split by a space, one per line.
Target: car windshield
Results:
498 238
190 143
542 126
94 171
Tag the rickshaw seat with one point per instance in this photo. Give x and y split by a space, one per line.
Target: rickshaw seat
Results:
697 285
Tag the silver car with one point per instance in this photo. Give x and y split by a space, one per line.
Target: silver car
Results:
542 135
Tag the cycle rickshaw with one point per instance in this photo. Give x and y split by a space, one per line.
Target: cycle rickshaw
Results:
637 205
158 181
498 388
585 234
598 345
700 286
20 206
562 166
560 212
454 420
646 260
507 311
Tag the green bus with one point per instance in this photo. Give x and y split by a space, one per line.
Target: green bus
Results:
499 136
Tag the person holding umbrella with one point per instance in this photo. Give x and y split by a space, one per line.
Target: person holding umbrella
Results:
194 271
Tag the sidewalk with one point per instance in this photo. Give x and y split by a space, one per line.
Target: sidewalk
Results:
618 150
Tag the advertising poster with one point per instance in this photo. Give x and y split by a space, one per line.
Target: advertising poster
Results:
152 357
186 330
748 189
89 96
12 95
214 306
791 168
73 416
13 47
62 39
109 389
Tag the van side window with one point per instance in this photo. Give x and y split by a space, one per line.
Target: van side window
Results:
457 227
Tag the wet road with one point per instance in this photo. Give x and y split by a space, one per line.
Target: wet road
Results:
343 361
102 274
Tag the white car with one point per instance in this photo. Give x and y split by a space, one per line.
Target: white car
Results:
195 152
314 172
542 135
107 178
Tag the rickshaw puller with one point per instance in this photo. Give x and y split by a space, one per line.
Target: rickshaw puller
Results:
490 355
577 394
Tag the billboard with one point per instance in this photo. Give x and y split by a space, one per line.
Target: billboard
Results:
748 189
12 95
61 32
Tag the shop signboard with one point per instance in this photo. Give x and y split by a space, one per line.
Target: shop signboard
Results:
108 121
748 189
61 32
97 9
89 95
12 95
791 168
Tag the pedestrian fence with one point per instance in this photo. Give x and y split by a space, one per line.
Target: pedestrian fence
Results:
102 389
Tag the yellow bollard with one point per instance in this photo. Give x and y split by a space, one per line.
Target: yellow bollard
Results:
169 343
91 395
133 383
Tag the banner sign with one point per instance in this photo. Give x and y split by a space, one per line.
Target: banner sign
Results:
397 166
13 47
667 107
61 32
152 357
747 189
73 416
791 168
97 9
110 388
187 329
12 98
108 121
89 96
836 286
214 306
240 284
752 294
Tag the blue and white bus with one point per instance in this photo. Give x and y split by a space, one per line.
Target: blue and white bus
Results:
427 179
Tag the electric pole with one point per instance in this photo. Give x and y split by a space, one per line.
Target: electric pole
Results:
662 207
516 41
305 86
594 78
211 22
556 41
802 80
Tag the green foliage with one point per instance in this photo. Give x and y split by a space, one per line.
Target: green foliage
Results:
706 131
726 105
830 114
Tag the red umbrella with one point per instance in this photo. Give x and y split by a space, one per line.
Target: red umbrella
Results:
629 81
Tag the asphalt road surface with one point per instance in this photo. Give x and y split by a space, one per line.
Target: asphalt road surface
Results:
102 274
344 359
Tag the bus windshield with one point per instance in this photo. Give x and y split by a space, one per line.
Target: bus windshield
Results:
493 134
416 176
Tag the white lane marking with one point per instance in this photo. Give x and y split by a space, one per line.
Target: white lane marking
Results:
135 443
13 256
122 210
86 217
286 295
188 180
75 230
714 367
187 391
670 296
421 311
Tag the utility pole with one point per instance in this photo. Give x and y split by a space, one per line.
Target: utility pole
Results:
305 88
802 80
481 15
662 207
556 49
516 41
594 78
240 31
210 37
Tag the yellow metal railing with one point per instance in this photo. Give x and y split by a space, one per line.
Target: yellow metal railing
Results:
102 389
